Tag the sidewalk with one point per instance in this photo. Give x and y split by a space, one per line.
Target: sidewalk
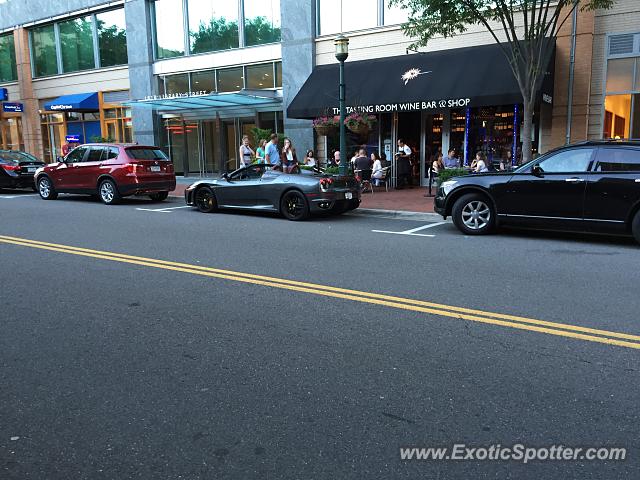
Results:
407 200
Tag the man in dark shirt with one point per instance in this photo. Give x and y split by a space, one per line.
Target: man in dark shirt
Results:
362 162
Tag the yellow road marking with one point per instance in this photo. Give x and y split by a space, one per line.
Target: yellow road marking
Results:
512 321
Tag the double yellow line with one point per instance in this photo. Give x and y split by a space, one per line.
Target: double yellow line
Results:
512 321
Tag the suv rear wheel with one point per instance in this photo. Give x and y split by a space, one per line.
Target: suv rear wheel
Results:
473 214
108 192
635 227
46 190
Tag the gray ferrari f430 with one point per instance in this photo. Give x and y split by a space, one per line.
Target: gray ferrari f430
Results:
260 187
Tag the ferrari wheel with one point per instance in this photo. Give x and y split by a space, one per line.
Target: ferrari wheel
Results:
206 200
294 206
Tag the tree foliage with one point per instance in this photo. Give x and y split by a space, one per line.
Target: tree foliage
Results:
522 28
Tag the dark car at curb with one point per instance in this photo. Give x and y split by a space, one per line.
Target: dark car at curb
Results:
109 171
259 187
591 186
17 169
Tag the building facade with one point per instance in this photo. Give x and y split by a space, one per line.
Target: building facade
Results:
194 76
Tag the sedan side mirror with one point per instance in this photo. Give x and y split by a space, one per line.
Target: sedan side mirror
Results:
537 171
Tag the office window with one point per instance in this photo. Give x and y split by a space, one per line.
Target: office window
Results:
203 81
261 21
112 38
177 83
169 29
43 42
394 15
230 80
337 16
76 44
8 70
213 25
622 102
620 74
278 74
260 76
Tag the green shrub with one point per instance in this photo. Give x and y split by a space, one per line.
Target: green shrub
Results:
448 174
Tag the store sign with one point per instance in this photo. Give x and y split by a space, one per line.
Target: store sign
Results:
73 138
409 106
12 107
61 107
4 94
170 96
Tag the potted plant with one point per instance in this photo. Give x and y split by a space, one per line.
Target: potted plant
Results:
326 125
359 123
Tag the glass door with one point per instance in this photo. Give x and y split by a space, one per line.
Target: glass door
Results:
231 145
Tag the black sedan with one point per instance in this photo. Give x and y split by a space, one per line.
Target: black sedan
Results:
17 169
590 186
263 188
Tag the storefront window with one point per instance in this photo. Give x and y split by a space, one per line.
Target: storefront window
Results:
203 81
617 116
260 76
53 132
11 134
620 74
261 21
8 70
176 83
43 41
230 80
76 44
112 38
213 25
394 15
169 30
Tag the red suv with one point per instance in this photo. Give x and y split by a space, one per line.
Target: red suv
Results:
109 171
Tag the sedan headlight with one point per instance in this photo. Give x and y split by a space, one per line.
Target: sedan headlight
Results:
448 186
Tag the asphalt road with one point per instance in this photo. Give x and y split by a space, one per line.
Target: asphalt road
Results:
118 367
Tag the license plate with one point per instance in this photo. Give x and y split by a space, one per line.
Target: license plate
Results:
348 195
155 168
31 170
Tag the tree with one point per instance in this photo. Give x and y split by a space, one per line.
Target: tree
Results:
260 30
522 28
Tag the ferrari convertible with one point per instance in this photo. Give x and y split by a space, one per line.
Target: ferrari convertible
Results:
260 187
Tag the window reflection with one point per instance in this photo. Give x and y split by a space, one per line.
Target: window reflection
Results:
329 16
213 25
230 80
43 43
359 15
203 81
620 75
262 21
169 30
278 74
260 76
76 44
394 14
112 38
8 71
176 83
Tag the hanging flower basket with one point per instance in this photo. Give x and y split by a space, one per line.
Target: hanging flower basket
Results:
326 126
360 124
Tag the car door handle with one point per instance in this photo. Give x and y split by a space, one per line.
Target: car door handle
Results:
637 180
574 180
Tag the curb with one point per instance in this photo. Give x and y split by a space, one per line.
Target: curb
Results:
396 214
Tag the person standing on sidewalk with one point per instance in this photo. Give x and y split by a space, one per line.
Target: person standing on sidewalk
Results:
403 164
272 153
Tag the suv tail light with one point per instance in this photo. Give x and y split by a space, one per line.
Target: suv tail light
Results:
133 167
11 168
325 183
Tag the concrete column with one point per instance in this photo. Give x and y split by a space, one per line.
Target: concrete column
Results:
141 78
31 131
298 59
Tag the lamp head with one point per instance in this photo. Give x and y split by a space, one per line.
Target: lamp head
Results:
342 47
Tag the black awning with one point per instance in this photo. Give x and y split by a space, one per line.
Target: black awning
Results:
433 81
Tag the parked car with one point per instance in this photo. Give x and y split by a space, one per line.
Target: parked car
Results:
260 187
109 171
591 186
17 169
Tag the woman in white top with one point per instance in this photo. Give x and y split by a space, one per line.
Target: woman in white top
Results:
309 160
246 152
479 165
376 170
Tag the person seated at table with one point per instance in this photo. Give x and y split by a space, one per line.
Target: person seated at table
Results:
376 171
479 165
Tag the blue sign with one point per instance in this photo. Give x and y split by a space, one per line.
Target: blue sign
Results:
73 139
4 94
12 107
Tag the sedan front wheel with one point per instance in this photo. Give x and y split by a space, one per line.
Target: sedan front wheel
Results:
473 214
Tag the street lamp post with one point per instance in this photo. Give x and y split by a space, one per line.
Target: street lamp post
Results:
342 52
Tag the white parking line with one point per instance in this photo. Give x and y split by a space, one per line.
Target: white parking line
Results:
162 210
412 232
